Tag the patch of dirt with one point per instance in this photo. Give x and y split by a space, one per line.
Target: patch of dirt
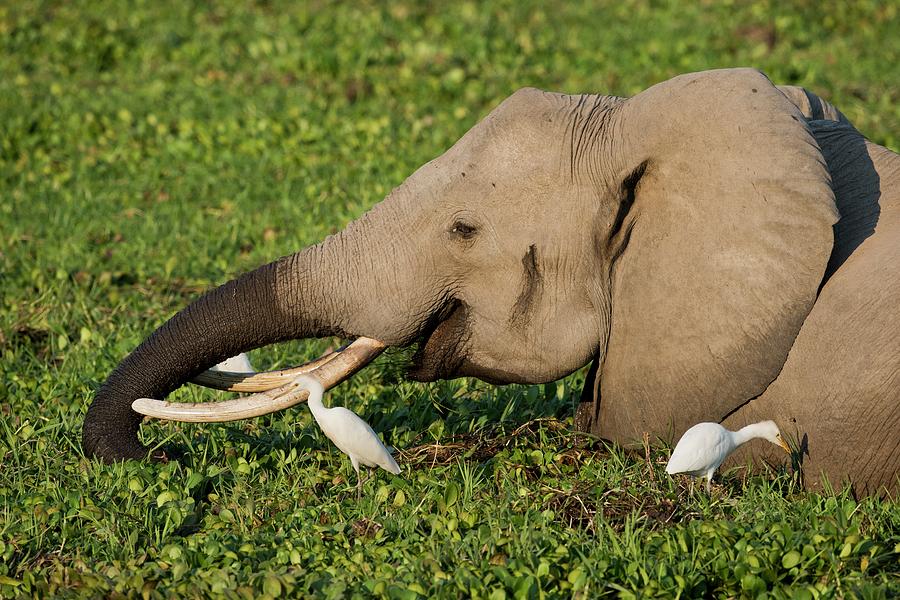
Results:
765 34
580 508
618 505
576 508
38 340
528 435
366 528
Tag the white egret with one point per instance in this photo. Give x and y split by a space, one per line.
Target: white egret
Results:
235 364
350 434
704 446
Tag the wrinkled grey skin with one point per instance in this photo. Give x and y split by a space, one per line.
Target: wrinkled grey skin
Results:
677 240
838 393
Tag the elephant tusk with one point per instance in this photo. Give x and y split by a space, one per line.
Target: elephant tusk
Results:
339 367
231 381
228 410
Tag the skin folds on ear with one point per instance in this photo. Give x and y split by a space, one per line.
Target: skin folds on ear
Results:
813 107
838 393
731 230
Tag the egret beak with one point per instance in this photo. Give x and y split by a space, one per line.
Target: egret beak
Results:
784 445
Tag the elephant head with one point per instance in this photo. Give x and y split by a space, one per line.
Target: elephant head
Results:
676 238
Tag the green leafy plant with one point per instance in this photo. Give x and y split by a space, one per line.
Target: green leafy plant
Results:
151 150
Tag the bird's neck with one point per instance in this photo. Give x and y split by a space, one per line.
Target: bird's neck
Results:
316 391
745 434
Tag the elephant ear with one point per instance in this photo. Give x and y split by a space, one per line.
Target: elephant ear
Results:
725 243
811 106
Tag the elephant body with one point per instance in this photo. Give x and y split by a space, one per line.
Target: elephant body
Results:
718 248
838 392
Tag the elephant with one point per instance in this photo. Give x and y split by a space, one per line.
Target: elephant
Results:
717 248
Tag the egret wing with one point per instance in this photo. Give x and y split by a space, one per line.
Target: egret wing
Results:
354 437
698 450
236 364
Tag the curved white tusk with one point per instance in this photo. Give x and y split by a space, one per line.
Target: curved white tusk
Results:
233 381
227 410
339 367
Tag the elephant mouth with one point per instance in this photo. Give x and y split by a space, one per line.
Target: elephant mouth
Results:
439 355
440 348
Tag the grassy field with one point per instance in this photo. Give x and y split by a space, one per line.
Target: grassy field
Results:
150 152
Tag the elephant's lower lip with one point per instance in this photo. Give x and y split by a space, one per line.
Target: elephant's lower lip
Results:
417 371
440 348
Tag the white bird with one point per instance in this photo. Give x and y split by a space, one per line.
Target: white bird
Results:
350 434
235 364
704 446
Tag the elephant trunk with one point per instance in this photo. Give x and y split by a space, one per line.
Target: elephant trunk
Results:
264 306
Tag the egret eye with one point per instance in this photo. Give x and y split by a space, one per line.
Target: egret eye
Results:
463 230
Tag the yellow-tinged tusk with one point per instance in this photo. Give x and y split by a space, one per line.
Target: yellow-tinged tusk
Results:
231 381
336 369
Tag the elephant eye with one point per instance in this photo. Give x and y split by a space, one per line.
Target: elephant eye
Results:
463 230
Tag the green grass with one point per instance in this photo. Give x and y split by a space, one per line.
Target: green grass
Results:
149 152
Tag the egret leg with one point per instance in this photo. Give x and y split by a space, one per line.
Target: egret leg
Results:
709 484
355 464
359 482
